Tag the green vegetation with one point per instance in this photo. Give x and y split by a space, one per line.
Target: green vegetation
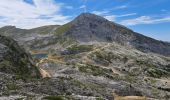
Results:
144 63
60 97
124 31
104 57
155 91
74 81
43 30
101 55
167 68
62 29
4 65
156 73
19 68
99 99
21 99
12 86
167 97
153 70
96 70
9 67
54 98
130 79
66 41
153 81
74 49
16 60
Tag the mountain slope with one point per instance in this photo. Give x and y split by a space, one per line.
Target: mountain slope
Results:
110 68
85 28
89 27
90 58
14 59
31 38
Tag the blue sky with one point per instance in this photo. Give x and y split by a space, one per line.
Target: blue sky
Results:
149 17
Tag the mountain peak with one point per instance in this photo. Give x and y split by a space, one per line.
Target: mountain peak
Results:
90 18
86 17
87 14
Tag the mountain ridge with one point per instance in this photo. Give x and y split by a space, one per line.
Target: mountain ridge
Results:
87 27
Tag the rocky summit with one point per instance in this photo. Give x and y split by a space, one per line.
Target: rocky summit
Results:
89 58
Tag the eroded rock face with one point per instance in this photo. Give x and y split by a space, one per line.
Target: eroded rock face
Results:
14 59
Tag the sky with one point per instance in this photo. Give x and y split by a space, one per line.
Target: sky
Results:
148 17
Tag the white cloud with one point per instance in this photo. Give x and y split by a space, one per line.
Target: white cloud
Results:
145 20
106 14
163 10
100 12
24 15
120 7
125 15
82 6
68 7
111 17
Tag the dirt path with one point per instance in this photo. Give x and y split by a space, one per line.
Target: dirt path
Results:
56 59
43 72
116 97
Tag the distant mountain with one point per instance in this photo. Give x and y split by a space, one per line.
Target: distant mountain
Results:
16 32
85 28
31 38
89 27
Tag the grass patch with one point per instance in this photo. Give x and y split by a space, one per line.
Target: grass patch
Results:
75 49
144 63
156 73
96 71
12 86
20 99
5 65
104 56
62 29
66 41
99 99
60 97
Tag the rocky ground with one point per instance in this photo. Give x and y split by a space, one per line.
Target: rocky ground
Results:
95 71
79 61
111 68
